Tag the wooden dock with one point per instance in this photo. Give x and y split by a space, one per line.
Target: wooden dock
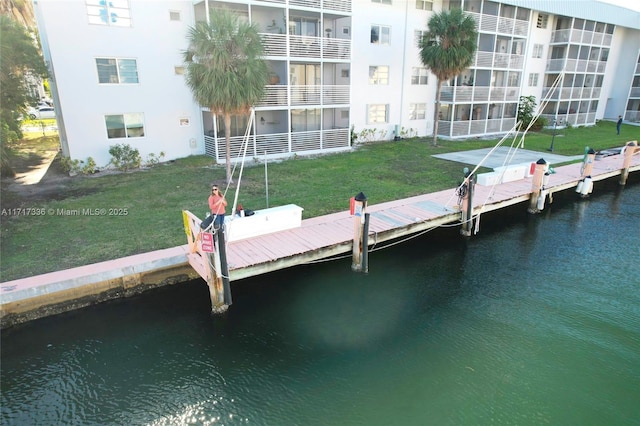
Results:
332 235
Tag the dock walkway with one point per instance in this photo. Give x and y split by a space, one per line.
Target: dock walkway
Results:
317 238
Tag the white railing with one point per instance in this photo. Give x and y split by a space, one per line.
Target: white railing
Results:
606 41
277 144
555 64
274 96
446 93
581 65
521 28
304 46
480 93
512 94
484 59
274 44
305 95
597 38
638 69
635 92
516 62
576 36
339 5
497 94
305 141
314 4
505 25
546 94
501 60
336 138
336 48
489 23
272 144
587 36
338 94
560 36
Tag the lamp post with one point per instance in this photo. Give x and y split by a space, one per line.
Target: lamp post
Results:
555 122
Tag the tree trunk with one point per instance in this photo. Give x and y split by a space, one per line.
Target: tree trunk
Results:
227 141
435 113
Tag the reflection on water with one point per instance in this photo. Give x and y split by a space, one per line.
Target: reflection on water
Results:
534 320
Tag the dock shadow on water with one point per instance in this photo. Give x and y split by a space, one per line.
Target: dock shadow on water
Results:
536 319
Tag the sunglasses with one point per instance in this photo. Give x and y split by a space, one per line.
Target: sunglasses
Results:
214 189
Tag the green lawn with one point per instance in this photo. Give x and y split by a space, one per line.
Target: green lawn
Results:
153 198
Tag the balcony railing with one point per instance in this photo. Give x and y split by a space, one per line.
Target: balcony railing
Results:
306 46
498 60
278 144
635 92
277 95
339 5
474 127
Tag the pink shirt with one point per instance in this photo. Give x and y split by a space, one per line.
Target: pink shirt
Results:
217 204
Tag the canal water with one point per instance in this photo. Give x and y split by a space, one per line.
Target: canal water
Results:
535 320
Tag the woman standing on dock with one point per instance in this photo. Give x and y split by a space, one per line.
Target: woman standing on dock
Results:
217 204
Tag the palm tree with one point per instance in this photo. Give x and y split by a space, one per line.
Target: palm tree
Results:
447 49
224 68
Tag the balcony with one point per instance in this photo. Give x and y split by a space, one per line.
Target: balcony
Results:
498 60
337 5
306 46
277 95
279 144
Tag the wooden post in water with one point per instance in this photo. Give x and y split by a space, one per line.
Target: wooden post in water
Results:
217 287
629 150
585 186
467 204
224 267
536 185
587 167
359 211
365 244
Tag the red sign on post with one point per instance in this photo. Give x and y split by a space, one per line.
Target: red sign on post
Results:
207 242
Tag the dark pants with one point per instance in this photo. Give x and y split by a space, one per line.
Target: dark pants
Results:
218 221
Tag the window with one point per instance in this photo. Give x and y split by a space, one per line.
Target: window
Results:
537 50
417 111
113 12
344 73
380 34
543 20
419 75
418 35
377 113
379 74
381 1
533 79
125 125
174 15
424 4
117 71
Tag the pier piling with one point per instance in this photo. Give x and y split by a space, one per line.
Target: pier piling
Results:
630 149
359 213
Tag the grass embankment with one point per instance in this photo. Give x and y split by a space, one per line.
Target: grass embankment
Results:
153 199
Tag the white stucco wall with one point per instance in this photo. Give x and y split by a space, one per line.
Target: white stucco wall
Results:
400 56
156 43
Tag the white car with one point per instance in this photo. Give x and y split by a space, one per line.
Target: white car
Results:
41 112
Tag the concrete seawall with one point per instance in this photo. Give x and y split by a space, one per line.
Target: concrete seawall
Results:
56 292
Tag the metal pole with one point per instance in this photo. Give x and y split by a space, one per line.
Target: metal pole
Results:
266 178
555 122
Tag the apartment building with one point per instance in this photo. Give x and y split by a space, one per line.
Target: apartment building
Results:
337 67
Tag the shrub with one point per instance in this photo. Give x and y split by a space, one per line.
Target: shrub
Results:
124 157
75 167
153 159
